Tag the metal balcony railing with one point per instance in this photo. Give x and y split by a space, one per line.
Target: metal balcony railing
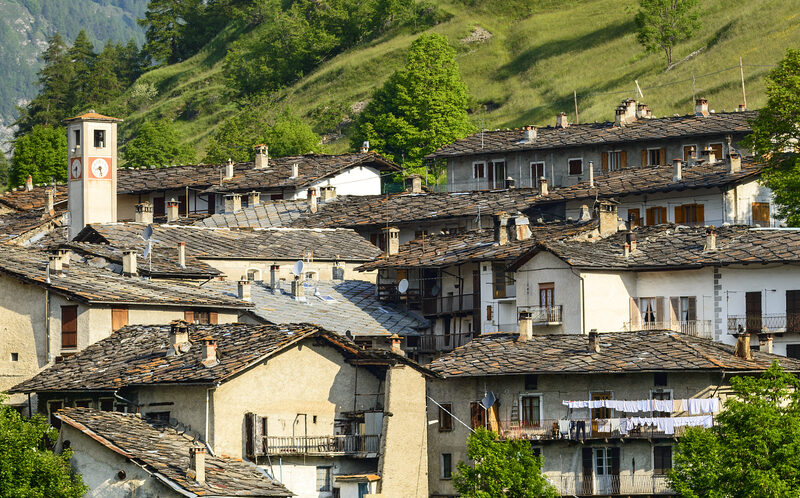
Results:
763 323
610 485
435 343
695 328
577 430
544 315
429 305
322 445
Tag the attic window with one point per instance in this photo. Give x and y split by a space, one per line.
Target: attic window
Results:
575 166
99 138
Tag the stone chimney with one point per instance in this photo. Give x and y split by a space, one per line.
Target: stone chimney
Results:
182 254
55 267
626 249
742 107
591 174
233 203
734 162
197 463
229 170
561 120
522 227
396 341
709 156
711 239
642 112
29 183
525 326
262 156
677 169
328 193
50 201
129 263
692 155
312 200
765 342
365 147
172 210
630 110
543 189
501 228
253 198
144 213
295 170
619 116
244 289
178 338
742 348
701 107
274 277
586 215
209 352
64 255
392 240
630 240
414 184
607 215
510 183
297 287
594 341
530 134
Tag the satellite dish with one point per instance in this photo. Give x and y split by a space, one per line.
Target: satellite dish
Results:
435 290
488 400
402 286
148 232
297 269
147 249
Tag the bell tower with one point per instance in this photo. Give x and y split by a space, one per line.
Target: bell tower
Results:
92 164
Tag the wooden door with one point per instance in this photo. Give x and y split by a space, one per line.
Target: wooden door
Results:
753 311
69 326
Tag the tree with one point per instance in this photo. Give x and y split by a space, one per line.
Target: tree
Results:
27 467
502 468
661 24
42 153
82 56
105 85
420 108
754 450
157 143
776 135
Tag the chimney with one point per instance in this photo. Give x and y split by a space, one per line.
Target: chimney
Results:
253 198
229 170
711 239
182 254
55 267
742 107
172 210
129 263
522 227
328 193
262 157
414 184
631 238
642 112
607 214
209 352
144 213
197 463
29 183
392 240
709 156
244 289
591 174
396 342
594 341
543 190
619 116
49 208
692 156
742 349
630 110
312 200
626 249
233 203
561 120
64 255
585 214
297 287
295 170
525 326
510 183
734 162
178 337
530 134
765 343
365 147
274 277
701 107
677 170
501 229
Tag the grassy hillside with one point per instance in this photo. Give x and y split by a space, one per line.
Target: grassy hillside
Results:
524 73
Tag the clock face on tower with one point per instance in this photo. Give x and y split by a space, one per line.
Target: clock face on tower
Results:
75 169
100 168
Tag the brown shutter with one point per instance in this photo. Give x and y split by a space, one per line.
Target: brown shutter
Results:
69 326
635 315
604 161
644 157
249 433
258 436
119 318
792 311
212 204
662 156
692 312
659 309
188 316
213 318
649 216
623 159
701 214
679 214
663 212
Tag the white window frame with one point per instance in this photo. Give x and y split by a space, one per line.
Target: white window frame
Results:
615 154
474 171
721 147
569 160
441 466
534 180
642 310
541 408
499 183
696 149
658 149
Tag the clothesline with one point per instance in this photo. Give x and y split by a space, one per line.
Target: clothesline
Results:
667 425
694 406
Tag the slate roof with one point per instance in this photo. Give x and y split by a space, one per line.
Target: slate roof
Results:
620 352
339 306
676 246
439 251
15 227
208 177
273 214
23 200
163 452
579 135
94 285
222 243
137 355
163 262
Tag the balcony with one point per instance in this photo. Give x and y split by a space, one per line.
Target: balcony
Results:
543 315
435 343
694 328
446 305
350 445
763 323
548 430
611 485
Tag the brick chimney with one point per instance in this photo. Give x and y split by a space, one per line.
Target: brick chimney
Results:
525 326
734 162
253 198
677 169
311 196
262 156
274 277
594 341
144 213
172 210
233 203
543 188
55 265
129 263
391 237
396 341
197 463
328 193
765 342
50 201
414 184
182 254
29 183
501 228
742 107
711 239
209 352
522 227
561 120
228 170
297 287
701 107
607 215
243 289
178 338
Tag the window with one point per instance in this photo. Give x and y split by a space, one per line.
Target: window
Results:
717 150
616 160
478 170
531 382
253 274
761 213
530 411
99 138
648 309
106 404
119 318
634 218
662 460
546 294
601 412
687 309
689 151
793 351
158 206
500 280
323 478
661 395
419 234
654 157
575 166
201 317
445 419
77 135
69 326
477 415
537 172
497 174
363 342
752 310
447 465
792 311
656 215
690 213
83 403
14 356
660 379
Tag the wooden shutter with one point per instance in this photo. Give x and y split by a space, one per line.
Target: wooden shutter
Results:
69 326
213 318
761 213
623 159
792 311
692 312
644 157
679 214
701 214
212 204
188 316
674 307
649 216
635 315
604 161
662 156
752 306
659 309
119 318
249 433
158 206
477 415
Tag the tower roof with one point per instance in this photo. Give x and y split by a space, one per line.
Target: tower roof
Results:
92 116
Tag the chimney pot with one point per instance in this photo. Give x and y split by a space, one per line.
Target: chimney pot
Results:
262 157
591 174
29 183
144 213
561 120
182 254
701 107
677 169
244 289
229 170
765 342
297 287
711 239
209 351
510 183
501 229
328 193
392 240
522 227
233 203
312 200
178 337
734 162
197 463
742 107
129 268
525 326
295 170
594 341
742 349
365 147
414 184
626 249
710 156
396 342
585 214
530 134
543 188
607 216
274 277
55 266
642 112
253 198
172 210
51 193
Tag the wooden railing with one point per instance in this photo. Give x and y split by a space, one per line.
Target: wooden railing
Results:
322 445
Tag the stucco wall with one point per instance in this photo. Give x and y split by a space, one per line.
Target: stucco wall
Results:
545 268
299 474
361 180
186 404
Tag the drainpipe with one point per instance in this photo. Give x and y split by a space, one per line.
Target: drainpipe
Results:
205 434
46 325
583 301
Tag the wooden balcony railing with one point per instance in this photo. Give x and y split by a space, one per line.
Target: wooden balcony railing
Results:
763 323
611 485
322 445
695 328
